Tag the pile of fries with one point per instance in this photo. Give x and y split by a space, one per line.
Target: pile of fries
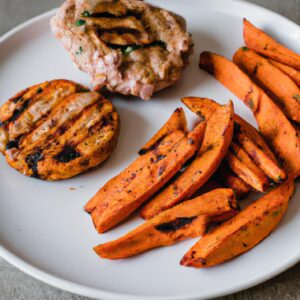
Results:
216 164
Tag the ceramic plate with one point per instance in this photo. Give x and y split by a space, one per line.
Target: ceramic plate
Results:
43 228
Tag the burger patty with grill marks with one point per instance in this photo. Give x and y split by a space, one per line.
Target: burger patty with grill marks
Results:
127 46
57 129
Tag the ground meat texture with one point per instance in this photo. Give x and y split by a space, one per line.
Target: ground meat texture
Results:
127 46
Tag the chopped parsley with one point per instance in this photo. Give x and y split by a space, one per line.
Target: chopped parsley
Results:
80 22
245 48
86 14
79 50
126 51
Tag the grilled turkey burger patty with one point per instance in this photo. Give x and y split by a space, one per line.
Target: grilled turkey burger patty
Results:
128 46
57 129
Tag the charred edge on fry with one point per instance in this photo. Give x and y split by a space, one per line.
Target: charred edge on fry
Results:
175 225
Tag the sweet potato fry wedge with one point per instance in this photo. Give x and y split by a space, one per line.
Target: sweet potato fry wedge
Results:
177 121
215 144
266 164
202 107
293 73
242 125
284 91
273 124
188 219
242 232
149 173
129 174
246 135
228 179
262 43
241 164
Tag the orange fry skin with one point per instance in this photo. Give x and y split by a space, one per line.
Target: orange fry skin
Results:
246 136
228 179
262 43
177 121
285 91
188 219
276 129
117 200
216 141
293 73
243 232
241 164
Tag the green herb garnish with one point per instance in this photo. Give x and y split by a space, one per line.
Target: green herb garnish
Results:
245 48
297 97
79 50
86 14
80 22
126 51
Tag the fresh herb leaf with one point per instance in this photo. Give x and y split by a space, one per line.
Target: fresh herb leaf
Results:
245 48
80 22
297 97
86 14
79 50
126 51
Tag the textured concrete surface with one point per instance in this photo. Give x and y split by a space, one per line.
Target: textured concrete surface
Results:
15 285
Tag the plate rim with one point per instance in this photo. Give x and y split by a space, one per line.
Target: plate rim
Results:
95 293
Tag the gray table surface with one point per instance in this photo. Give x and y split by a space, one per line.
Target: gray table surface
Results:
15 285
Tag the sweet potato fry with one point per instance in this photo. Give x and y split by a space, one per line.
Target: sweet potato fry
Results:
188 219
228 179
216 140
242 232
149 173
262 43
202 107
246 135
241 164
273 124
242 125
129 174
177 121
266 164
293 73
284 91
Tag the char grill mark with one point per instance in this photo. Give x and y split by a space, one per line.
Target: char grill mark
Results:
67 154
60 117
32 162
14 107
39 106
119 29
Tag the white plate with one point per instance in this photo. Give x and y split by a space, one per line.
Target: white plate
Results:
43 228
